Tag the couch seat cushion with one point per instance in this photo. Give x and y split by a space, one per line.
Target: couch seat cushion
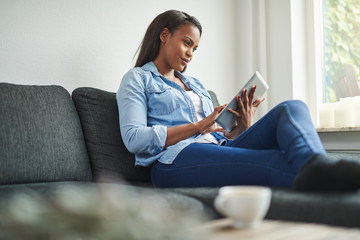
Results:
126 192
337 208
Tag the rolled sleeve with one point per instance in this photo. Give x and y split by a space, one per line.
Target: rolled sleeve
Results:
160 135
145 140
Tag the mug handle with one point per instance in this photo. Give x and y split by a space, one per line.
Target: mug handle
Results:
220 203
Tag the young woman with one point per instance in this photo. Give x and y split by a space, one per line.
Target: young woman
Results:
167 121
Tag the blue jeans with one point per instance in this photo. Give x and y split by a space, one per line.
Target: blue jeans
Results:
271 152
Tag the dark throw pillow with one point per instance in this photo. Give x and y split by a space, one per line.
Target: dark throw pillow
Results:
40 136
110 159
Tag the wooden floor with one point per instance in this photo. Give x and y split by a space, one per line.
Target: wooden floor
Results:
279 230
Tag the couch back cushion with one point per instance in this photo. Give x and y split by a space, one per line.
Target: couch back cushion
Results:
40 136
110 159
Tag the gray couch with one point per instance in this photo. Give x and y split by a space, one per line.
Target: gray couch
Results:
49 139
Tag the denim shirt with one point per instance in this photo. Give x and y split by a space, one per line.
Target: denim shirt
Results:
149 103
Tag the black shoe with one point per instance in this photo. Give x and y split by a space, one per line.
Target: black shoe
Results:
322 174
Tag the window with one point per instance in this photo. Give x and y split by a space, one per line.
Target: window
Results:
341 50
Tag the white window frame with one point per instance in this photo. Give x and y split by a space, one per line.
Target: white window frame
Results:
283 40
335 139
314 56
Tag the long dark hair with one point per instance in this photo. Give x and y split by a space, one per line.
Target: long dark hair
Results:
171 20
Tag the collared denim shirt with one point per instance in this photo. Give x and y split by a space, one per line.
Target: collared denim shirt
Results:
149 103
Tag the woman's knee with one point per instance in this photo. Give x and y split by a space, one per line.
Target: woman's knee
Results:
293 105
290 107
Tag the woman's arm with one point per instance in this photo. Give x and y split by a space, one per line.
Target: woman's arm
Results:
138 137
181 132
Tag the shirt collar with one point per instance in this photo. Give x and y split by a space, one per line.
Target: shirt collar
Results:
150 66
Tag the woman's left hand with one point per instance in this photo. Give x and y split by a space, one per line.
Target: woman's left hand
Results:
244 113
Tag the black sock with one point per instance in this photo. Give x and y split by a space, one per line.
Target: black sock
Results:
322 174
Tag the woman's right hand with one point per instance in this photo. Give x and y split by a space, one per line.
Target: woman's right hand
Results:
208 125
244 113
181 132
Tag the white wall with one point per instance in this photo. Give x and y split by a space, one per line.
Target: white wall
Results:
76 43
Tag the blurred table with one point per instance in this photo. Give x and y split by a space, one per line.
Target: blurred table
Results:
271 230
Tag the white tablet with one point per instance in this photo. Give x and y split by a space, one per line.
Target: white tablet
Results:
226 119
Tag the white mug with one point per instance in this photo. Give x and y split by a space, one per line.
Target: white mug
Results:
245 205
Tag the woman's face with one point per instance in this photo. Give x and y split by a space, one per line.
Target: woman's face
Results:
179 47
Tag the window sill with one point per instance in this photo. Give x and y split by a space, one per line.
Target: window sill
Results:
343 129
340 139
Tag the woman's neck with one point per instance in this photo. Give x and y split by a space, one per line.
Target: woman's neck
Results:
169 73
163 69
